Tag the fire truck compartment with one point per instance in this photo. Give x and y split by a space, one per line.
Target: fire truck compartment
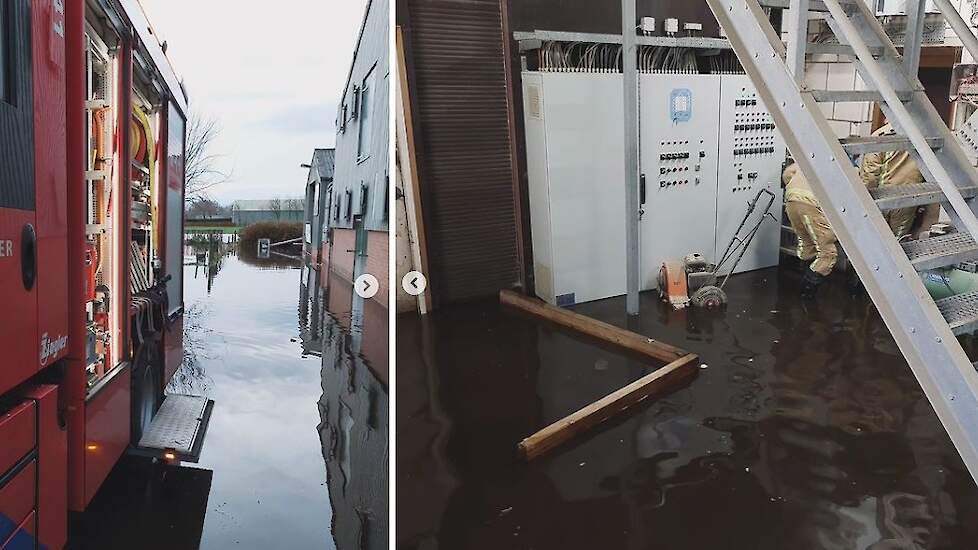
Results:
33 470
18 429
17 500
178 428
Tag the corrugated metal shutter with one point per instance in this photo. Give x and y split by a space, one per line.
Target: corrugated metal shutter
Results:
458 88
16 108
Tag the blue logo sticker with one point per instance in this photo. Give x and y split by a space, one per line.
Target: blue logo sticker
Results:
681 105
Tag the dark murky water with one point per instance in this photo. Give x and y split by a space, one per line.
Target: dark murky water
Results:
296 454
806 431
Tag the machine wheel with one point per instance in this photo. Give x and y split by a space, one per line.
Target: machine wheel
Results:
709 297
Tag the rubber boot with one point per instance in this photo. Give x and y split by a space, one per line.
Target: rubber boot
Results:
810 283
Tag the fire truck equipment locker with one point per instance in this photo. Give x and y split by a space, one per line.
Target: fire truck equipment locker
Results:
33 241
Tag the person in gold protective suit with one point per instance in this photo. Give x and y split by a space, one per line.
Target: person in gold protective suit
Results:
816 240
892 168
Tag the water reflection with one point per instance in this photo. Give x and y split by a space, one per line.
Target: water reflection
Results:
206 253
293 439
354 435
353 409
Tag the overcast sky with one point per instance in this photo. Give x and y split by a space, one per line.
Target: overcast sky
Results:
271 77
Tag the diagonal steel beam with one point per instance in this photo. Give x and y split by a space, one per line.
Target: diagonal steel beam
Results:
940 365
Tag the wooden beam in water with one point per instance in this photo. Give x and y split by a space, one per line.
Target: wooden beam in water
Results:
567 428
592 327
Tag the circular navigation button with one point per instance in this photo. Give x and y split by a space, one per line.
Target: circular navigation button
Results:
414 283
366 286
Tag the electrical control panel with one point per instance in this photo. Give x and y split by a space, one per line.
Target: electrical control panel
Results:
679 164
751 154
575 165
707 147
967 136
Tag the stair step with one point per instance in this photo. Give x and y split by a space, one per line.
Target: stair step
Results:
879 144
890 197
852 96
815 48
960 312
813 5
941 251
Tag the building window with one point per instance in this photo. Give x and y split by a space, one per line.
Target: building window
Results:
349 204
6 45
366 107
387 197
355 108
336 208
364 198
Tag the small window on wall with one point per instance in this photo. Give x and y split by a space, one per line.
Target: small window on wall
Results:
387 197
6 64
364 198
349 204
366 106
355 111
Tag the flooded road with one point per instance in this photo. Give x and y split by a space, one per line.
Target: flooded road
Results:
805 431
296 452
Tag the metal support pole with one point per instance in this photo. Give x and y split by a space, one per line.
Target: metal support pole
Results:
797 25
914 35
629 61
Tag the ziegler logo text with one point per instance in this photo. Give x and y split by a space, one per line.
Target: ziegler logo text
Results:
50 348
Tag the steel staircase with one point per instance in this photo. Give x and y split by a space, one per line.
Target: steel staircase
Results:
924 330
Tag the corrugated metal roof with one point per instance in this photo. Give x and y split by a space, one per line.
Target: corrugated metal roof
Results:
324 162
291 204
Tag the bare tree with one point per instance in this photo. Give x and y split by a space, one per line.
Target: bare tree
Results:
293 205
202 171
275 206
204 208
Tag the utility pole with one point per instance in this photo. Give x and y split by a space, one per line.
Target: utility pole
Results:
629 60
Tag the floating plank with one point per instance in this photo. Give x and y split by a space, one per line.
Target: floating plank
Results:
568 427
592 327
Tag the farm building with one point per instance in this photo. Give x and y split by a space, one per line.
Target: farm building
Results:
247 212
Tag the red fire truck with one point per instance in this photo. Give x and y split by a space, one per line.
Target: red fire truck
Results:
92 147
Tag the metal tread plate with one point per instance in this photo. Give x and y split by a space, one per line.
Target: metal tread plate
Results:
814 5
941 251
890 197
960 311
879 144
178 425
853 96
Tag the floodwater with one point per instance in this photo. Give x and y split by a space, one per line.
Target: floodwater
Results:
806 430
296 454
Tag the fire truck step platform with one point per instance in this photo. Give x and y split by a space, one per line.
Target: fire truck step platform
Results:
177 432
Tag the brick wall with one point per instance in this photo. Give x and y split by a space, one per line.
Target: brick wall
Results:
833 72
378 253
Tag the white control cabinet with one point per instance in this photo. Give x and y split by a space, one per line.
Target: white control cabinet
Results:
678 154
691 152
575 164
751 156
